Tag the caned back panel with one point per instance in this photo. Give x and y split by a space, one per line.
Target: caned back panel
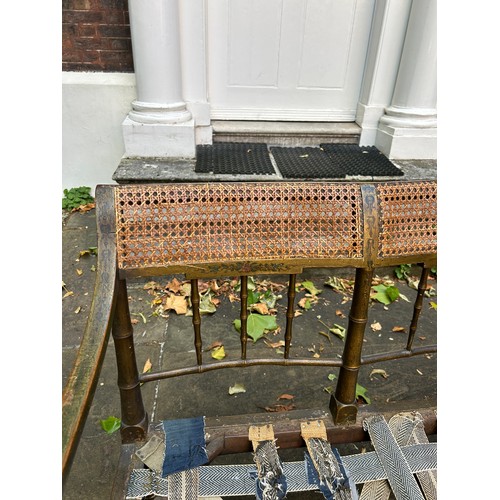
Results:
166 225
185 224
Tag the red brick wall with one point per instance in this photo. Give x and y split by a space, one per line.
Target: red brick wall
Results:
96 36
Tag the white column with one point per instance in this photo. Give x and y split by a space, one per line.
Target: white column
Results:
159 124
408 130
390 21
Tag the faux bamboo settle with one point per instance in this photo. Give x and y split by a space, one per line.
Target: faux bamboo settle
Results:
243 229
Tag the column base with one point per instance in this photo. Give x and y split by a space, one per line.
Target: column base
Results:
402 143
160 140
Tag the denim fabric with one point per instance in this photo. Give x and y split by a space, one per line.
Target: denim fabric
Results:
313 478
185 444
345 482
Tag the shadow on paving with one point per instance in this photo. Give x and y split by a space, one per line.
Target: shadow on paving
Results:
169 343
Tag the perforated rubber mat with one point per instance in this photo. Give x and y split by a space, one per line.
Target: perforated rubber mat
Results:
234 158
357 160
306 163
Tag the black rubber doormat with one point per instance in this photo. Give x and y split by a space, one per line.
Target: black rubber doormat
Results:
358 160
234 158
305 163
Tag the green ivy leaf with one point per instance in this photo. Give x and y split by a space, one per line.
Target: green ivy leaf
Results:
257 325
253 297
338 330
206 304
385 294
309 286
111 424
269 298
392 292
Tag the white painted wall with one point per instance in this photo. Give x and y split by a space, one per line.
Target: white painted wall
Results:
94 106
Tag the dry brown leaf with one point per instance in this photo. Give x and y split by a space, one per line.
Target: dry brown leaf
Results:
285 396
233 298
78 309
279 408
297 313
174 285
274 345
376 326
79 272
84 208
339 313
67 294
134 321
177 303
378 371
147 366
260 307
213 345
399 329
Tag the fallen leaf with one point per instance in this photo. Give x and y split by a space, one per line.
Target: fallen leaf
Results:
338 330
151 285
257 325
78 309
433 305
134 321
305 303
260 307
398 329
376 326
67 294
213 345
378 371
285 396
111 424
279 408
297 313
206 304
218 353
326 335
177 303
79 272
88 251
174 285
144 320
309 286
237 389
147 366
339 313
274 345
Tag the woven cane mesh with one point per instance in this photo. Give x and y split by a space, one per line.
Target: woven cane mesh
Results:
186 224
408 218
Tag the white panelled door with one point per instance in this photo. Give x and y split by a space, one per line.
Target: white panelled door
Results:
296 60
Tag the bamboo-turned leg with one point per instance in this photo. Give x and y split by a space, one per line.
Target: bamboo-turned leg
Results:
290 313
417 307
343 403
195 301
243 315
134 417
